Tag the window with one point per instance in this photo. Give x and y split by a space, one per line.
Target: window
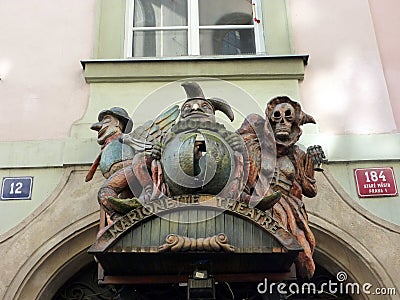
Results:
169 28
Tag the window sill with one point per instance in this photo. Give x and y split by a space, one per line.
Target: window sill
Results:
249 67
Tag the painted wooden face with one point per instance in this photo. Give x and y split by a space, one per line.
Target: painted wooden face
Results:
197 109
106 127
282 119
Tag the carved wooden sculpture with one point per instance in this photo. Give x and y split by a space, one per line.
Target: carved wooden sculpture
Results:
124 178
211 158
177 243
293 169
294 176
113 158
169 157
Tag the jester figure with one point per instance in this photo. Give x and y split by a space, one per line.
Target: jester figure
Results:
196 155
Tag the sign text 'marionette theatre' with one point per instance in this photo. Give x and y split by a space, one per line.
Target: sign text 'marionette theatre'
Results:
375 182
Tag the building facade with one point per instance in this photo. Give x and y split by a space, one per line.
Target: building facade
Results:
63 62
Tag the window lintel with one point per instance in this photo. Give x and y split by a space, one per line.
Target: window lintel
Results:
168 68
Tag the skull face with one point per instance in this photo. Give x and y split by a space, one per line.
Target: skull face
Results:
281 119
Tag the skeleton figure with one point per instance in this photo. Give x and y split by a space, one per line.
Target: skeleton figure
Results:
293 176
282 118
260 145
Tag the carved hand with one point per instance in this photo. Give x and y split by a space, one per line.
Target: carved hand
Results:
317 154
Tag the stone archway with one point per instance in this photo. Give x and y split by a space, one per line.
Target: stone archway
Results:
42 252
346 247
352 240
335 252
58 264
340 252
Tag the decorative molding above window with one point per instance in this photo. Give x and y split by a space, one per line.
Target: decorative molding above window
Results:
169 69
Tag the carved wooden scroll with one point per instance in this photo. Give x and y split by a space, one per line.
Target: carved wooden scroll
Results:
178 243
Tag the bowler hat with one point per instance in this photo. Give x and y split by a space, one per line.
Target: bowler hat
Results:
121 115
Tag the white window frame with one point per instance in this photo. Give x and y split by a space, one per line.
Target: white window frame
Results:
193 28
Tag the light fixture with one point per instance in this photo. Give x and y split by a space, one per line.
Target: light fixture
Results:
201 286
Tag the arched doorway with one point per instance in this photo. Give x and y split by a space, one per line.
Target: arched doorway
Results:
83 285
336 251
55 262
60 258
341 253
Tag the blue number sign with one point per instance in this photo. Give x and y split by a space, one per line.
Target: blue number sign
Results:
16 188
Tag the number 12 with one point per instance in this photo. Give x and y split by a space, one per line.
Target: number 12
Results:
18 187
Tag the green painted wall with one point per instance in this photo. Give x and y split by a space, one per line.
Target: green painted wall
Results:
45 180
387 208
110 29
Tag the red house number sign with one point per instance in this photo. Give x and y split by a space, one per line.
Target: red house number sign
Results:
375 182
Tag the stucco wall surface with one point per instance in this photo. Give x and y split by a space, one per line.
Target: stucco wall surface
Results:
42 89
349 238
58 231
345 82
385 15
49 246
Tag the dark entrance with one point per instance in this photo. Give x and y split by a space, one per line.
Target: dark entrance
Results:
83 285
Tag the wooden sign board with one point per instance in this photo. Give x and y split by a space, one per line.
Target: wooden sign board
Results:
226 237
375 182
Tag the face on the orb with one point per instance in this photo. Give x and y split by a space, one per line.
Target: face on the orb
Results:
106 127
197 109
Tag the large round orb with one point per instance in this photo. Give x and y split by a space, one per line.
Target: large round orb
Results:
197 162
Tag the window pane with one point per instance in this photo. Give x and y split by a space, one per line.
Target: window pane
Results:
159 43
213 12
227 42
160 13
